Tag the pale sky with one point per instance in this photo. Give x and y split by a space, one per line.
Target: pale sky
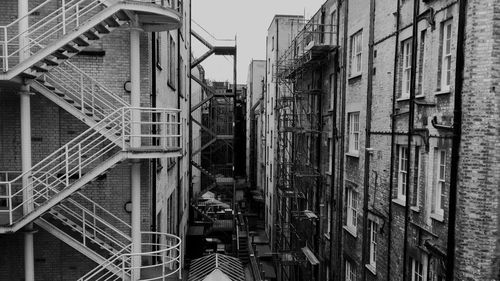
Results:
248 20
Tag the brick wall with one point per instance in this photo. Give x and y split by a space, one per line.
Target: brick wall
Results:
477 230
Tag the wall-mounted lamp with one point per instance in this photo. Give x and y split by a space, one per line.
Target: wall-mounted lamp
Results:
128 207
127 86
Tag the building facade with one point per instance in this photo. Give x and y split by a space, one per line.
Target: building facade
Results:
374 170
107 84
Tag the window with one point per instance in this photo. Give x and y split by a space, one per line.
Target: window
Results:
330 154
402 171
439 184
421 69
353 132
416 179
373 243
272 43
352 209
350 271
332 91
445 65
405 85
171 63
333 24
269 67
417 270
356 50
328 218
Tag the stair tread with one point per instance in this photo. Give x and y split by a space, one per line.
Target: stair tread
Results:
91 35
60 55
81 42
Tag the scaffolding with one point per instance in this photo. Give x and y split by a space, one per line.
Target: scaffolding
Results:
299 180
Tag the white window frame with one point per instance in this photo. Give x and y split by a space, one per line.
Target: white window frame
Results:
350 271
332 91
423 35
406 75
373 228
402 172
356 53
418 269
446 30
330 154
416 185
353 120
439 183
352 210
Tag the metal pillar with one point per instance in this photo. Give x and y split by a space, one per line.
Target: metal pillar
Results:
29 265
135 173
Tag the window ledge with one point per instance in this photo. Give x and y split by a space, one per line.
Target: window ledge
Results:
420 96
399 201
351 231
415 209
437 217
371 268
352 154
405 98
443 92
170 85
328 173
354 76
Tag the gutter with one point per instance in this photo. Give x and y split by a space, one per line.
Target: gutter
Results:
393 139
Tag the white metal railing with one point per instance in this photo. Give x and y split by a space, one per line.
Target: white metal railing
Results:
59 18
162 248
86 92
93 222
117 132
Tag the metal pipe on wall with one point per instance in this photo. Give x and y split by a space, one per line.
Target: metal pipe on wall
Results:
393 138
411 124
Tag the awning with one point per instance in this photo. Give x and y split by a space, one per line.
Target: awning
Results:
216 267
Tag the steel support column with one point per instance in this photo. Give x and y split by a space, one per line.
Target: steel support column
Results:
135 172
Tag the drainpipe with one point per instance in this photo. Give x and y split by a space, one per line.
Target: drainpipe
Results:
135 172
457 135
340 183
411 121
393 138
334 134
318 163
25 108
366 181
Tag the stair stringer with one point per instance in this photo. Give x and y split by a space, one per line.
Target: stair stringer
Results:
63 194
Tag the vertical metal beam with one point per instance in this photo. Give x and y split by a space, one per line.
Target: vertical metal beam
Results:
135 172
25 108
234 121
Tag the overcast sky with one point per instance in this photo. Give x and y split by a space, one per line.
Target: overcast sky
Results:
248 20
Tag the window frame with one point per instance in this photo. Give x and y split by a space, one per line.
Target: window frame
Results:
402 172
407 54
417 273
439 183
356 54
353 136
350 271
445 56
373 228
352 205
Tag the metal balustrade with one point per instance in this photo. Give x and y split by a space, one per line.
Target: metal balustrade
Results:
87 94
162 248
64 16
118 132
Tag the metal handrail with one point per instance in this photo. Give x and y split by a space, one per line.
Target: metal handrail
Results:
169 254
114 133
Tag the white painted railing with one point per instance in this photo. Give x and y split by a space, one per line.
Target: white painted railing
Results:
162 248
59 18
95 224
87 93
117 132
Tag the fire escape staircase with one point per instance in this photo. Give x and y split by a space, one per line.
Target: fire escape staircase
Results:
48 193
